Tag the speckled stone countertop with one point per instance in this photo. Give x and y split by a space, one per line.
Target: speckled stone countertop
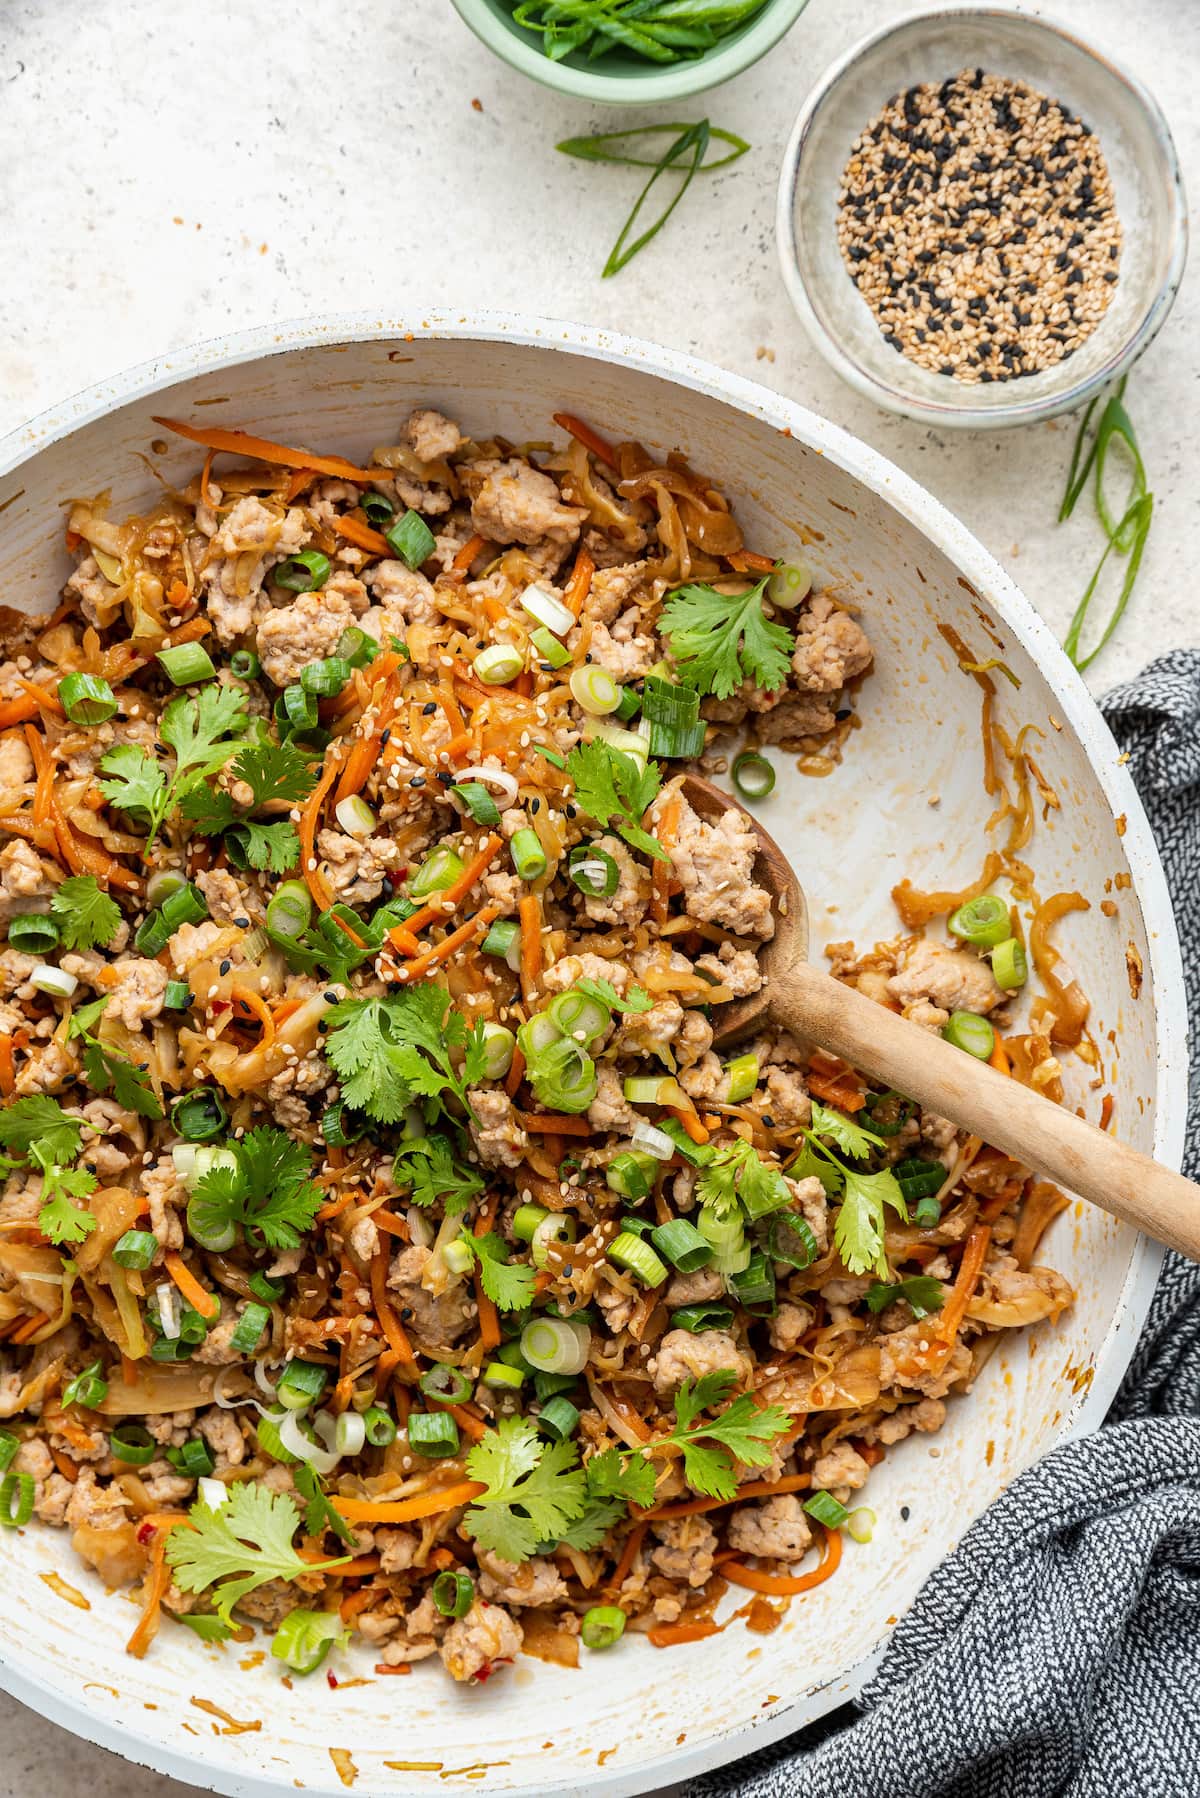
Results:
169 173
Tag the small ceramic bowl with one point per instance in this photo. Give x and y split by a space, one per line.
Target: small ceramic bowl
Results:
623 78
1146 177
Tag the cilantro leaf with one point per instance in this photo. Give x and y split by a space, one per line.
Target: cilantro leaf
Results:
319 1514
589 1531
859 1226
853 1139
206 1626
85 916
742 1432
719 640
240 1546
275 771
133 781
611 1475
611 785
41 1121
535 1492
268 1195
436 1175
923 1292
59 1218
388 1051
605 992
737 1174
208 810
510 1287
198 730
275 847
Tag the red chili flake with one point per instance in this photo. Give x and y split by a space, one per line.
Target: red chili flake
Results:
331 1677
145 1533
221 1005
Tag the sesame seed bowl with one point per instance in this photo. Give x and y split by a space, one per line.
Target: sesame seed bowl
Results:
951 254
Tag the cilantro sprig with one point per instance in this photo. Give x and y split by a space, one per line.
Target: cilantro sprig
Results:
636 1000
268 1195
436 1175
276 773
240 1546
738 1175
858 1231
534 1490
719 640
610 785
36 1133
389 1051
923 1292
203 734
85 916
106 1069
742 1432
510 1286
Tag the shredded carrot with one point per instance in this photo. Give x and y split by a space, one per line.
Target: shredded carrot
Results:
692 1507
429 1504
746 559
588 437
386 1667
335 1207
530 913
516 1072
998 1058
576 589
452 896
473 928
8 1078
158 1578
354 1602
690 1122
397 1341
784 1585
362 535
551 1124
18 711
970 1267
66 1467
206 1303
387 1220
29 1327
262 449
461 565
629 1554
660 872
835 1084
245 995
48 701
359 763
310 816
670 1635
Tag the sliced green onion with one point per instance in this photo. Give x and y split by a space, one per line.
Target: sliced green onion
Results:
556 1344
918 1178
302 1639
888 1112
682 1244
860 1524
186 664
982 922
186 905
637 1257
268 1291
478 801
86 699
629 706
498 1046
1010 966
497 664
753 1284
595 690
967 1030
433 1434
377 507
250 1326
500 938
411 539
349 1433
270 1441
10 1446
558 1227
177 995
501 1377
326 678
631 1173
526 1219
16 1500
380 1426
453 1592
558 1419
32 932
290 909
209 1226
927 1213
536 1036
193 1458
355 647
790 1240
301 1384
528 856
673 715
742 1076
695 1319
790 584
458 1258
445 1383
603 1625
549 1385
563 1078
579 1016
299 707
199 1115
548 647
626 742
510 1352
547 610
437 871
245 665
727 1235
163 884
753 775
698 1154
88 1388
655 1089
826 1509
132 1443
593 870
304 572
137 1248
56 982
355 816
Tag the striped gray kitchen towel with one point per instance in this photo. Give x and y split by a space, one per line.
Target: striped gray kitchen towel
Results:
1057 1651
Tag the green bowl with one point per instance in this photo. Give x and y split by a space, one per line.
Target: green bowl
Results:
622 78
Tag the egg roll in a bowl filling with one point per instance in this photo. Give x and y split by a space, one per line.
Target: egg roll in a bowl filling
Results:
387 1257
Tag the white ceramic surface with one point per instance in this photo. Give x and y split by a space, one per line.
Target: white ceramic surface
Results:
344 384
929 47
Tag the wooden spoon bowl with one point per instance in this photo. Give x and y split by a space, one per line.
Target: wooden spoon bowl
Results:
822 1011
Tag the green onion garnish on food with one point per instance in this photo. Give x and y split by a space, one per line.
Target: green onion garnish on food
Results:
299 707
16 1500
377 507
603 1625
548 648
250 1326
695 1319
193 1458
967 1030
500 938
88 1388
498 664
632 1174
826 1509
86 699
561 1075
478 801
325 679
595 690
753 1284
981 922
673 714
301 1384
411 539
753 775
918 1178
289 910
199 1115
741 1076
445 1383
132 1443
356 647
556 1345
245 665
186 664
635 1255
439 870
593 871
453 1593
558 1419
304 572
578 1015
1010 965
682 1244
33 933
433 1433
137 1248
380 1426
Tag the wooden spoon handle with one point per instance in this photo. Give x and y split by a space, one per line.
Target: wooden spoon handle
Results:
821 1010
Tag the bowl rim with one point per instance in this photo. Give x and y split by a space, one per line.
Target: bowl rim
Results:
964 416
927 514
695 77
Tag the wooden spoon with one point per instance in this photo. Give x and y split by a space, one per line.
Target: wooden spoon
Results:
1033 1130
